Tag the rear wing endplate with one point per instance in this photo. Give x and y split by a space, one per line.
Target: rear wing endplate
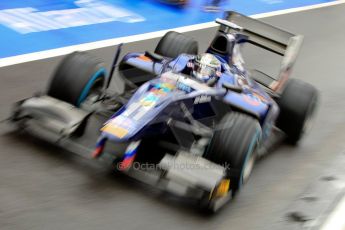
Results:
267 37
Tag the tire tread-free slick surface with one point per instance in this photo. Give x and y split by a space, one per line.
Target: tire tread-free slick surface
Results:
233 142
174 44
297 104
74 76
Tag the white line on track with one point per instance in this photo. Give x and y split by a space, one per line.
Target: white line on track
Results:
336 220
114 41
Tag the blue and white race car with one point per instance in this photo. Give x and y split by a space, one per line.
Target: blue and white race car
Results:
190 123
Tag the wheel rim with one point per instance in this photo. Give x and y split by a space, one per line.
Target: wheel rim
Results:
96 89
90 85
308 123
248 168
250 160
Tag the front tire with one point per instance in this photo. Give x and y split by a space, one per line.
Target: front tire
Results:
234 143
77 76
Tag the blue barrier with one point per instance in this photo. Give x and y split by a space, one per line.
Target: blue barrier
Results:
37 25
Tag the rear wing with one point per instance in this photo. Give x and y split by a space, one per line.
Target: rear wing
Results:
269 38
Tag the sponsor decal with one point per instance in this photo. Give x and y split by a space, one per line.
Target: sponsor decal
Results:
118 126
150 100
115 130
159 90
202 99
184 87
145 58
252 99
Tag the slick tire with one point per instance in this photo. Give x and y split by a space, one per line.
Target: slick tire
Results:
77 75
173 44
234 144
297 103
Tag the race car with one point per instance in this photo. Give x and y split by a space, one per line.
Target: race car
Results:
187 122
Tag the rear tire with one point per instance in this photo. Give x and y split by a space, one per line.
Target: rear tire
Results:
297 107
76 77
234 143
173 44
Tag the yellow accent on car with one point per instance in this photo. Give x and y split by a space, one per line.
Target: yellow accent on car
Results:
115 130
222 189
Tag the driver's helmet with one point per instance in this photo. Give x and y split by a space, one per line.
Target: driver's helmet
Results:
205 67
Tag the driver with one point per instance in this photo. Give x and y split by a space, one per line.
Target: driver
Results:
205 67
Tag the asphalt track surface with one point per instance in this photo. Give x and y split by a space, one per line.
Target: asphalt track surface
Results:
42 187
